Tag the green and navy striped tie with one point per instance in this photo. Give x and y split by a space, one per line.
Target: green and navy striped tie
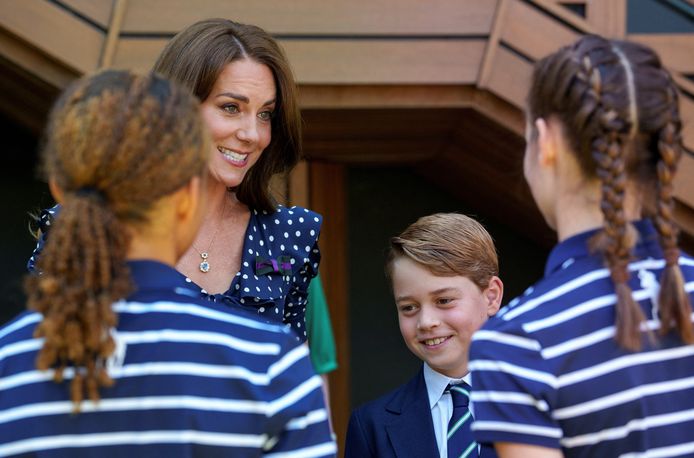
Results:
460 441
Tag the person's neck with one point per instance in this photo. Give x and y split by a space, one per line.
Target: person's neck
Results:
152 248
221 201
579 212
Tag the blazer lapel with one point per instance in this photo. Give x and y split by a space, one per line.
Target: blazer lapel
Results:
411 430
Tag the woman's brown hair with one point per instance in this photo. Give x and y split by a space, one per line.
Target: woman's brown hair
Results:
619 109
449 245
116 143
197 55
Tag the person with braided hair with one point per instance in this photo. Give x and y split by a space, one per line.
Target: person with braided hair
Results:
118 354
596 359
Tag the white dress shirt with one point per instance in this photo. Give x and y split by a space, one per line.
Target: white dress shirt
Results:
441 404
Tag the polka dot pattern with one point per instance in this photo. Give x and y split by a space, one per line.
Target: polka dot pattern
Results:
274 296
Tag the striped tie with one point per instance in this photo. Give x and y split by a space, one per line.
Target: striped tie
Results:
460 441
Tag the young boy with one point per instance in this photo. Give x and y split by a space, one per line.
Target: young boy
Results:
443 270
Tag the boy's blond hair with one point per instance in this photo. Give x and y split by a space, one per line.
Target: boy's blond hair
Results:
448 244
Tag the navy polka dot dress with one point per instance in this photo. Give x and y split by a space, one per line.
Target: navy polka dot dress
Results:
280 257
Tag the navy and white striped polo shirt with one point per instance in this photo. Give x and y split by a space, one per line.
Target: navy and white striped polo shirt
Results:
547 370
192 378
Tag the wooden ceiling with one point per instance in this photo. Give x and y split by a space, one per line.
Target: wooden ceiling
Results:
434 84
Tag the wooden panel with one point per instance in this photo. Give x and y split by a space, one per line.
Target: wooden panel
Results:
381 61
98 11
328 197
607 18
535 34
299 185
510 77
137 54
676 50
410 17
54 31
687 115
684 180
351 61
381 96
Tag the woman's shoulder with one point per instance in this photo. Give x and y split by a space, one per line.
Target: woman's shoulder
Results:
291 222
290 216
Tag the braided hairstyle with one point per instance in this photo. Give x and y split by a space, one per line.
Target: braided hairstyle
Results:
116 143
618 107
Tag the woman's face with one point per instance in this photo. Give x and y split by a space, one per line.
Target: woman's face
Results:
238 113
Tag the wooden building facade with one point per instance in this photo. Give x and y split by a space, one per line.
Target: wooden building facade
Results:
435 88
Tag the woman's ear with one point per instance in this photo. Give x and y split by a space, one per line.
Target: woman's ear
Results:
56 191
494 294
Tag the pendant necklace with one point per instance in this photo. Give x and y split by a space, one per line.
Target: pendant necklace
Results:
204 255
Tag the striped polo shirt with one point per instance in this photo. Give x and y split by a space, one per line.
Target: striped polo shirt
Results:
547 370
192 378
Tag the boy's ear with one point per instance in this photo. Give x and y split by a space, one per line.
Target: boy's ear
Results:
494 294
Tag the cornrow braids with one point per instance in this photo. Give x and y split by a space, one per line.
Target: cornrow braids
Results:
673 302
604 93
116 143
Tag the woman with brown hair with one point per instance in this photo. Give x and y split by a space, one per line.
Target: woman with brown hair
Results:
119 356
596 359
250 252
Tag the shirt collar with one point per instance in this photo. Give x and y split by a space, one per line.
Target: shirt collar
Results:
436 384
577 246
149 275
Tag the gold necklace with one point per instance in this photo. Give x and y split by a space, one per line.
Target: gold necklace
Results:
204 265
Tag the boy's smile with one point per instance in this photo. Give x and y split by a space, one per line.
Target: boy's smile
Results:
438 315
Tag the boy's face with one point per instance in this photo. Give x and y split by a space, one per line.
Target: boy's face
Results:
438 315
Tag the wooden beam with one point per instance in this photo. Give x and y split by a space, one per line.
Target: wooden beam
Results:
675 49
328 196
372 61
116 21
308 17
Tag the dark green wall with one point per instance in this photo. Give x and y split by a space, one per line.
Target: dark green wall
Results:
381 203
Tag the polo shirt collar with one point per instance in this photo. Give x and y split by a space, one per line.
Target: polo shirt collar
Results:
576 247
153 275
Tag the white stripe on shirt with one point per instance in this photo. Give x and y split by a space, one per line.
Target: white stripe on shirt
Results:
294 395
583 280
132 438
215 338
662 452
195 310
622 362
640 391
27 320
509 397
135 403
502 366
508 339
544 431
315 451
619 432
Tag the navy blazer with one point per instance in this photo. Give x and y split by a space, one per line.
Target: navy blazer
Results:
398 425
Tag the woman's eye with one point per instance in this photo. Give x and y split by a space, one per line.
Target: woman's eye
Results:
444 300
230 108
265 115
